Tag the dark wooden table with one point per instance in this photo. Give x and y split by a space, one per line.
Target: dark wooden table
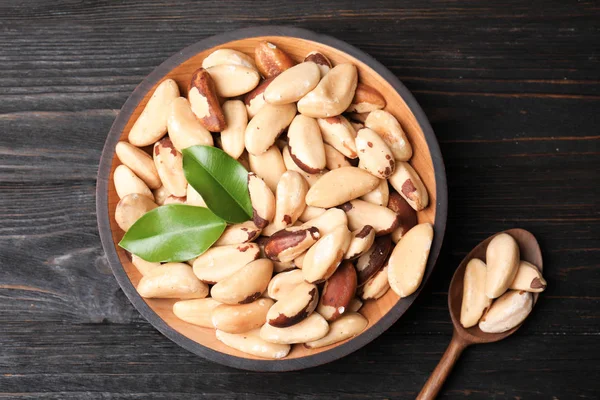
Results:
512 90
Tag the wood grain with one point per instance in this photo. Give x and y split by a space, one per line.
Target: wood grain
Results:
68 332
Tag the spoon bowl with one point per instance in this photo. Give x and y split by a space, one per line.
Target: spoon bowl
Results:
464 337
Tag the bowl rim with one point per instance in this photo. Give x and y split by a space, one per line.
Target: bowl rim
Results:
114 135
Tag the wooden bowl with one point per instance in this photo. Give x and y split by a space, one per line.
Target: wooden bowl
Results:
427 160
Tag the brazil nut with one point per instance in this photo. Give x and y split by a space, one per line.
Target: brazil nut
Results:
196 311
371 262
312 328
130 208
306 144
474 300
283 283
323 258
269 166
251 343
172 280
204 101
263 201
228 57
361 213
184 128
340 134
333 158
217 263
339 186
407 214
139 162
245 285
410 186
374 155
242 317
528 278
338 292
126 182
362 240
294 306
238 233
507 312
377 286
236 119
388 127
267 125
271 60
289 199
366 99
289 243
233 80
502 258
380 195
292 84
347 326
321 60
169 164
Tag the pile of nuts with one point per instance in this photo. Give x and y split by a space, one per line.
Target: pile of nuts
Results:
322 239
506 280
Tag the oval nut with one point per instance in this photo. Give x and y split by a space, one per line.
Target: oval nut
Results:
311 213
362 240
238 233
139 162
252 343
312 328
143 266
217 263
287 244
169 164
196 311
233 80
374 155
184 128
130 208
245 285
299 261
294 306
160 194
474 300
283 283
269 166
502 258
289 199
340 134
321 60
328 221
255 100
410 186
388 127
380 195
333 158
528 278
339 186
338 292
291 165
374 259
407 214
236 119
377 286
361 213
323 258
172 280
241 318
267 125
228 56
293 84
509 311
271 60
346 327
306 144
366 99
126 182
263 201
204 101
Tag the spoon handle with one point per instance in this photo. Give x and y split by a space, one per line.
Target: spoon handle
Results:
441 372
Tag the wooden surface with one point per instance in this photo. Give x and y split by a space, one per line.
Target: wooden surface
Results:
512 90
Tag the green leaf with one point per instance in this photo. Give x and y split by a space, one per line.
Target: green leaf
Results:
221 181
175 232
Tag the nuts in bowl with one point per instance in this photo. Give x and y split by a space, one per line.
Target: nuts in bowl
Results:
275 202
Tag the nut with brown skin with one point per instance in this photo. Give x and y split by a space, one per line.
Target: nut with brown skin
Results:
362 240
172 281
306 144
380 195
220 262
184 128
333 158
232 137
196 311
284 283
271 60
251 343
366 99
238 233
269 166
408 183
169 164
339 186
349 325
528 278
374 259
328 221
333 94
507 312
267 125
377 286
323 258
255 100
130 208
294 306
233 80
151 125
502 258
408 215
139 162
204 101
241 318
374 155
339 133
126 182
287 244
292 84
388 127
245 285
338 292
321 60
312 328
229 57
361 213
263 201
291 165
289 199
474 300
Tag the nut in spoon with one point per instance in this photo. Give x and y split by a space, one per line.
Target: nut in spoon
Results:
461 337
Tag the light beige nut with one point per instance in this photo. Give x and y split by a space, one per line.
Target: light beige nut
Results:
311 213
374 155
172 281
169 164
333 94
333 158
388 127
283 283
220 262
410 186
362 240
255 100
143 266
312 328
349 325
328 221
293 84
339 133
228 56
409 259
130 208
355 304
126 182
287 244
361 213
193 198
244 285
271 60
238 233
340 186
242 317
289 199
407 214
291 165
160 194
376 287
204 101
294 306
252 343
366 99
528 278
509 311
263 201
321 60
174 200
373 260
267 125
338 292
269 166
502 258
299 261
474 300
139 162
232 137
233 80
306 144
323 258
184 127
380 195
151 125
196 311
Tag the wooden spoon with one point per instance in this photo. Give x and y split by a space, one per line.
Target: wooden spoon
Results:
461 337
